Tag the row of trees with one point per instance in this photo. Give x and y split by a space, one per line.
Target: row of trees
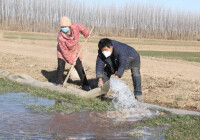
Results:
129 19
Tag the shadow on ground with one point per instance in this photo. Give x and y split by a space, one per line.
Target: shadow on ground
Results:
51 76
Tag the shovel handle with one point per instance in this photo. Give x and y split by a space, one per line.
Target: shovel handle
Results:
77 58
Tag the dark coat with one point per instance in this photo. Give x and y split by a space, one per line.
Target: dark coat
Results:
123 57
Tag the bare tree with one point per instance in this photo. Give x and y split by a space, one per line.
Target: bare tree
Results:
128 20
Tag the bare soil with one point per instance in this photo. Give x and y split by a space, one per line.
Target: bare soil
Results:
171 83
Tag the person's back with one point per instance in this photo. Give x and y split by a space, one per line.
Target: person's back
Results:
125 49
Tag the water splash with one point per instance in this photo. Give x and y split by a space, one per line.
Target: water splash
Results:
123 97
126 107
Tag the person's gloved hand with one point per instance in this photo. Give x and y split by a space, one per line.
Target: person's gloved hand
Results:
100 82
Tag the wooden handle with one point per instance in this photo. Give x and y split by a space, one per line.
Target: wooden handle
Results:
77 57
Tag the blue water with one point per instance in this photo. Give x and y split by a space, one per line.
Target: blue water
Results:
20 101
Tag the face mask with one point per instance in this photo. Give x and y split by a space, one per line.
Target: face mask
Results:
106 53
65 29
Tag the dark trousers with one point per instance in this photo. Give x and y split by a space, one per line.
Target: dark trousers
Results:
136 76
78 67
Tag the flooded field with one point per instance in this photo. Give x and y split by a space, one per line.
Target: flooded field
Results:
17 121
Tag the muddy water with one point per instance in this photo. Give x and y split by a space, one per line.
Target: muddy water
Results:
18 122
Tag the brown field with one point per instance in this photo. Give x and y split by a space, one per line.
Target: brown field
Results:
166 82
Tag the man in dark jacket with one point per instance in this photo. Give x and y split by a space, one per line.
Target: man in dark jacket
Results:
114 58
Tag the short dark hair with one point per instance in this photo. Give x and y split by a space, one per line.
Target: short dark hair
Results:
104 42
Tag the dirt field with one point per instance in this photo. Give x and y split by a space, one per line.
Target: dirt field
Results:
172 83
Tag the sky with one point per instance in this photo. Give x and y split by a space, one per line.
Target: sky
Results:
182 5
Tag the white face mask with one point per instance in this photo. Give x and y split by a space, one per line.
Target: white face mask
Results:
106 53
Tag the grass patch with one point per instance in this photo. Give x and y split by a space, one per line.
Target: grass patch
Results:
156 42
77 103
179 127
29 36
36 38
95 39
188 56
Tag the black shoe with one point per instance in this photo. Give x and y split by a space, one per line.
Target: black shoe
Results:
86 87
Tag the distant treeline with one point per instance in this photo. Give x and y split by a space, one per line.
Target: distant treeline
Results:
127 20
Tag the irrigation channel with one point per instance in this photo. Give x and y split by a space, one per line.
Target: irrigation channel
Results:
19 121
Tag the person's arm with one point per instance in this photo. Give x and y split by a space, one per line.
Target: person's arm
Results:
83 30
65 52
99 67
122 65
99 70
